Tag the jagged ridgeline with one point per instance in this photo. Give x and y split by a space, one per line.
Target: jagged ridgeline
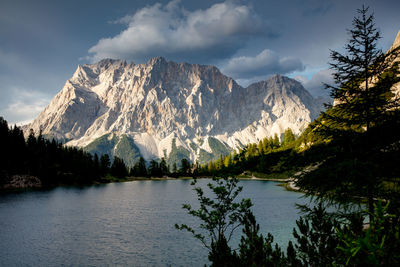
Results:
171 110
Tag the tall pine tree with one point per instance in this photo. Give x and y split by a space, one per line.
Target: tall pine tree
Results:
364 104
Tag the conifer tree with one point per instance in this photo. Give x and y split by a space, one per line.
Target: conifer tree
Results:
185 166
163 167
104 164
211 168
363 79
154 169
140 168
174 169
275 141
288 137
118 168
260 148
96 165
357 121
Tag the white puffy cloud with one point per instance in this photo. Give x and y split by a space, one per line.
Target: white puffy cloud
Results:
172 31
24 106
265 63
315 85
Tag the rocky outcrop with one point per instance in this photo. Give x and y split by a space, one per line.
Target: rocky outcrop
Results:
396 45
396 42
22 182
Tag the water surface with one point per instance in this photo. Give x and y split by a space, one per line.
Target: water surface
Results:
123 223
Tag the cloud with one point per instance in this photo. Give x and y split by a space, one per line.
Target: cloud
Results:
124 20
265 63
26 88
315 84
174 32
317 8
25 105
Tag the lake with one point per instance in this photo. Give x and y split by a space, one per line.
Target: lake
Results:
128 223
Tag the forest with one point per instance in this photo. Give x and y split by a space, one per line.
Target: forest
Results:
353 154
51 161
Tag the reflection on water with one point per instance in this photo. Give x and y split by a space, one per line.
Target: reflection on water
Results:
123 223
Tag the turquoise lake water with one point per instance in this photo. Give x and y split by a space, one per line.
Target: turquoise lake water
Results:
125 224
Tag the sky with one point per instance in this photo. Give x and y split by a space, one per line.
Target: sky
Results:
43 42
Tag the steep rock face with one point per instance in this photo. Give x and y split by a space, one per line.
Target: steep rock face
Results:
171 110
396 45
70 112
396 42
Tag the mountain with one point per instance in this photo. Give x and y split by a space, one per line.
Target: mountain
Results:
396 45
396 42
172 110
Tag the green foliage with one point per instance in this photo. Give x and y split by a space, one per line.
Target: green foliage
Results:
221 255
154 169
164 169
316 237
185 167
356 146
177 153
217 147
104 163
103 145
362 124
127 150
63 140
220 215
174 170
322 238
118 168
120 146
139 169
288 137
378 245
48 160
266 157
362 89
255 249
275 141
205 156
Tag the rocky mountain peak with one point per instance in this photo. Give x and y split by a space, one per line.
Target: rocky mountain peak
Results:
277 78
105 64
172 110
156 60
108 61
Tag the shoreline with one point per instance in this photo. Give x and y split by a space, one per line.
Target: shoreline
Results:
286 182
